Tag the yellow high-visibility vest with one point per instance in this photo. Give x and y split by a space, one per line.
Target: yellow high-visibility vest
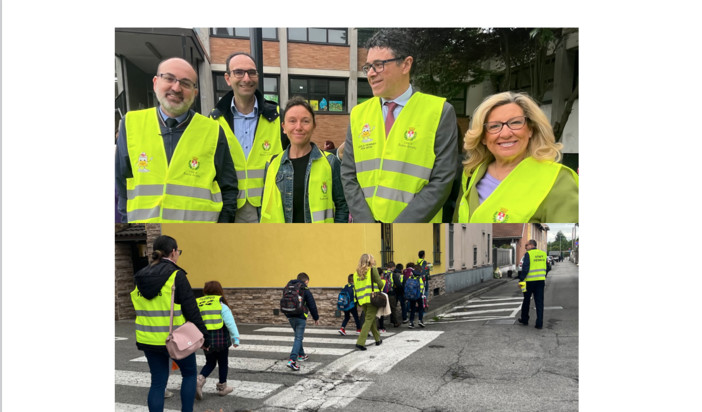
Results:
211 311
153 315
392 171
537 265
249 172
363 288
319 193
517 197
185 189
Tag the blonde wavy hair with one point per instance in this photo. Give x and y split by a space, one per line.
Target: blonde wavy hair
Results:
364 264
542 145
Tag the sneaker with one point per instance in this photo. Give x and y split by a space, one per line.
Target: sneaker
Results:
405 321
342 331
411 325
293 365
198 386
421 323
168 394
382 330
303 358
358 330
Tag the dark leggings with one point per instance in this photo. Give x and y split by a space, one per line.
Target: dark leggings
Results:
212 358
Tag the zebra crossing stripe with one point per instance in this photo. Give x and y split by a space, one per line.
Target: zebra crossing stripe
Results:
126 407
242 389
484 300
351 340
489 305
288 348
256 364
474 312
347 378
314 331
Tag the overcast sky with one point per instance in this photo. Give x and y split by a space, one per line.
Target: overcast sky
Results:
566 228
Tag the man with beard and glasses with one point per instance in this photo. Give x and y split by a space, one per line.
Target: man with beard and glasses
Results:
172 164
252 126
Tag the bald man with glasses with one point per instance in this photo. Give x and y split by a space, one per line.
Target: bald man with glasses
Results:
173 164
252 126
400 153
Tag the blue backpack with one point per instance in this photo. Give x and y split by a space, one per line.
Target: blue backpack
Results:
344 301
412 288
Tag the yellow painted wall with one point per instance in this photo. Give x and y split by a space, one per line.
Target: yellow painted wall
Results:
410 238
268 255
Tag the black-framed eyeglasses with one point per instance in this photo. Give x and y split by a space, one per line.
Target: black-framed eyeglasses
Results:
239 73
514 123
180 252
184 83
378 65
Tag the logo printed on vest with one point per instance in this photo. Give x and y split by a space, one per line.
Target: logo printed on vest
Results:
410 134
194 164
143 162
324 187
500 216
366 132
266 145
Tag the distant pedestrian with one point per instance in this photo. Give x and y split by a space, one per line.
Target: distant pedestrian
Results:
353 311
151 299
366 275
534 272
415 292
299 293
423 267
398 278
220 323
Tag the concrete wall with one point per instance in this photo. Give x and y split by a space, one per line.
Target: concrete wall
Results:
464 278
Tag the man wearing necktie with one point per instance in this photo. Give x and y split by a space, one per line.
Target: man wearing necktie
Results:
172 164
400 149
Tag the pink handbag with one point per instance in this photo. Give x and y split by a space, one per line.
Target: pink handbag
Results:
186 339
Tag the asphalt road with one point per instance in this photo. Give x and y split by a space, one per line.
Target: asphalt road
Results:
476 359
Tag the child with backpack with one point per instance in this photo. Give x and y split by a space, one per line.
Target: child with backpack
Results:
347 303
414 292
297 301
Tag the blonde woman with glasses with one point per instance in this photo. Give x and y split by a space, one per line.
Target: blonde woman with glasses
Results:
511 172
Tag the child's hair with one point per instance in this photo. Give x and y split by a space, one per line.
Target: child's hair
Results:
350 277
302 276
213 287
410 265
399 267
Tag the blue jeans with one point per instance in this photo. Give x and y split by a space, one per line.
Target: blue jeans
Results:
347 316
160 366
212 358
298 325
416 306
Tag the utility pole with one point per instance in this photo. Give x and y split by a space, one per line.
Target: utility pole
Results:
256 36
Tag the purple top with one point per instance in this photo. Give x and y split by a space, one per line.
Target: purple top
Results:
486 186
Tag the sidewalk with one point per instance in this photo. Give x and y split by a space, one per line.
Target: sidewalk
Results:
442 303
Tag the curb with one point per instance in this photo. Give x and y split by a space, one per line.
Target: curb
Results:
469 295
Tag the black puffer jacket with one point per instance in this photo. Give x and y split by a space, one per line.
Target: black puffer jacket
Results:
151 279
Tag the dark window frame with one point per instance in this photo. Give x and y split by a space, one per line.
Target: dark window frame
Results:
314 95
326 42
247 36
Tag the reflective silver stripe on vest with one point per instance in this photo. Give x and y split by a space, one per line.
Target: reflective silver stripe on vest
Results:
255 192
190 215
407 169
257 173
196 192
537 273
143 214
145 190
367 165
145 328
322 215
241 174
209 312
157 313
241 194
212 321
394 194
368 191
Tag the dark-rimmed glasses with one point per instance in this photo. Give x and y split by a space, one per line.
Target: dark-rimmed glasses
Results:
180 252
378 65
239 73
514 123
170 79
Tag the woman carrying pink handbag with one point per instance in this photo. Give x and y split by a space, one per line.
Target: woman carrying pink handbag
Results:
152 299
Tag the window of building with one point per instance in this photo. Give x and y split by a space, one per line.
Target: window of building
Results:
387 252
364 91
459 103
489 247
450 246
323 94
475 256
267 33
437 243
270 87
318 35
